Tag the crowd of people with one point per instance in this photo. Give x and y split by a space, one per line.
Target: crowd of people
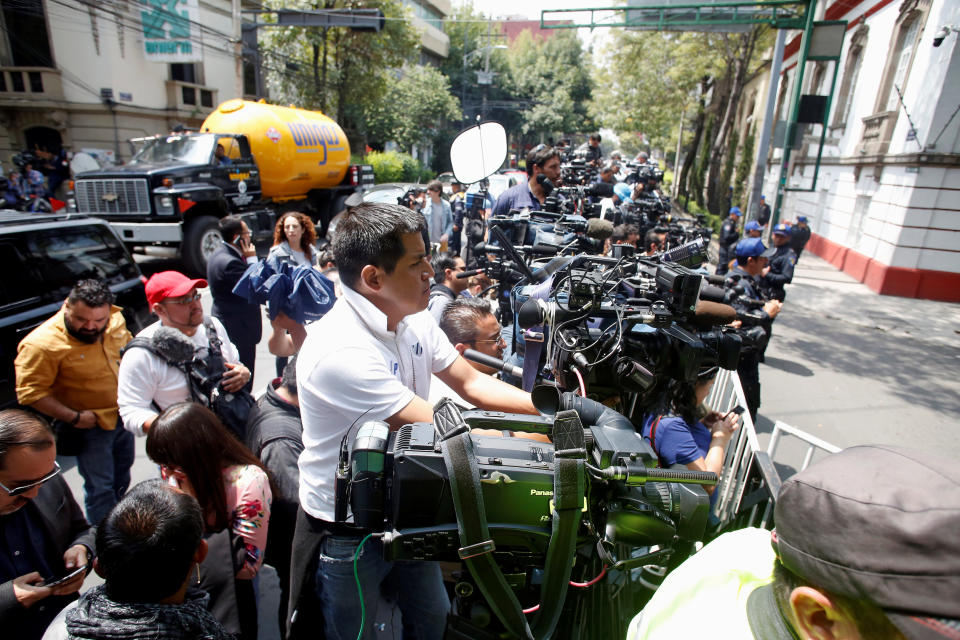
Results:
180 555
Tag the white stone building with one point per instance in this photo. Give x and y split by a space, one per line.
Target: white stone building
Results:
886 207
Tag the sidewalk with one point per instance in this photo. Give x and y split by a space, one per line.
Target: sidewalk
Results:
820 286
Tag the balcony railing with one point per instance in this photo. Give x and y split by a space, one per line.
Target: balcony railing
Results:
35 82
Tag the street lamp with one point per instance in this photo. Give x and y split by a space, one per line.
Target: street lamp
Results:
484 77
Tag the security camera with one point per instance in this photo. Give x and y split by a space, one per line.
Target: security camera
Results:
942 34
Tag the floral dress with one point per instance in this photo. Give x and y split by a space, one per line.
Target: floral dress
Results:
248 501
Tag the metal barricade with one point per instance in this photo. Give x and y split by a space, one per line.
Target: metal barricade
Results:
749 481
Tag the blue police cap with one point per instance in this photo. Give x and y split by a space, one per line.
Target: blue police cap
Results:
753 225
801 218
735 211
782 229
754 247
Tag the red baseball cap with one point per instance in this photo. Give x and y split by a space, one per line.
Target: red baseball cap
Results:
170 284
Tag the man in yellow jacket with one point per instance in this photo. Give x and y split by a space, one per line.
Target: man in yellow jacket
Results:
67 369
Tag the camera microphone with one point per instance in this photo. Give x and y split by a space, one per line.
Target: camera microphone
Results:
710 314
713 293
541 274
599 229
545 184
469 274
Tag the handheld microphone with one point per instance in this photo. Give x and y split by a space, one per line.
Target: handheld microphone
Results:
495 363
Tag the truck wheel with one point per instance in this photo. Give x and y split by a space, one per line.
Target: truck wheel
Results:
200 240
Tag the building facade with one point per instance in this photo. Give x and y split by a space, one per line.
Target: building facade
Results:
886 205
89 75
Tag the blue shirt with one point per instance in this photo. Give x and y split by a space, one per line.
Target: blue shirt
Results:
518 196
675 441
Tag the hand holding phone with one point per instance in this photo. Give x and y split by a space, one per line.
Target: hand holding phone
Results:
60 579
737 410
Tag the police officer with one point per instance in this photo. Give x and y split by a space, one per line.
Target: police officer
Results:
729 236
779 272
755 316
799 235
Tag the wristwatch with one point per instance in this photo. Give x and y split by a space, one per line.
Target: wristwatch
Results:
75 420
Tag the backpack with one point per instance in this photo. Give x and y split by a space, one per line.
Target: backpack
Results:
203 380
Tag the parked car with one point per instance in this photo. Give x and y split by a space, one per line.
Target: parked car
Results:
42 257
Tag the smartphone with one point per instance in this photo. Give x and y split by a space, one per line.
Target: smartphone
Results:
57 580
737 410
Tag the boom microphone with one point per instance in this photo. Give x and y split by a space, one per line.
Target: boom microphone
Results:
599 229
173 345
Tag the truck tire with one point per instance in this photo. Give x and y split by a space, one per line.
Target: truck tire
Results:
200 240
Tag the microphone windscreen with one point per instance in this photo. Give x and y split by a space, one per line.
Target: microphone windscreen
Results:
710 314
174 346
599 229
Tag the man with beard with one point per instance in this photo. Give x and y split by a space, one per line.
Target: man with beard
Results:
67 369
148 383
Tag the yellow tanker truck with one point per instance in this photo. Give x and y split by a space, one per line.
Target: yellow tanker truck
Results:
251 159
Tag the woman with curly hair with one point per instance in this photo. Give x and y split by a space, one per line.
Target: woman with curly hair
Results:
197 454
678 437
293 240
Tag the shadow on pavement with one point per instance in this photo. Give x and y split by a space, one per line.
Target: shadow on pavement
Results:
788 366
914 372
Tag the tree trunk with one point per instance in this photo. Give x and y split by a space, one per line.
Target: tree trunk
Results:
691 156
717 192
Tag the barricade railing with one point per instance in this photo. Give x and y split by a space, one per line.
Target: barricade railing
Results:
749 481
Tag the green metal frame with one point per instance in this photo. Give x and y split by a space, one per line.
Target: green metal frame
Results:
780 14
826 113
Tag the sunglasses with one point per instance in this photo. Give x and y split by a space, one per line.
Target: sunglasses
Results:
184 299
19 491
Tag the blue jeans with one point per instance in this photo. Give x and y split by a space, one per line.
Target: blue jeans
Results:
104 463
422 598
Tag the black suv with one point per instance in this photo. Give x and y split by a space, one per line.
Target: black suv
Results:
41 258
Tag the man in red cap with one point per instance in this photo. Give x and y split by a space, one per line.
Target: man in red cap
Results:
148 384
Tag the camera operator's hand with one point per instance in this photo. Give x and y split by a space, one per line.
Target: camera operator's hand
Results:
235 377
772 307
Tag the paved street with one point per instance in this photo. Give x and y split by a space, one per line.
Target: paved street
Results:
845 364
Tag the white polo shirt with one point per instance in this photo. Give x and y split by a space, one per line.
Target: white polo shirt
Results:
351 368
145 378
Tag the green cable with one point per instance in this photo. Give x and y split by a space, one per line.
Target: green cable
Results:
356 576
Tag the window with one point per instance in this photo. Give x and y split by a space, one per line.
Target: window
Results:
849 83
902 54
24 34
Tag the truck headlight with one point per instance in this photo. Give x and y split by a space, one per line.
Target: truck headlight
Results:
164 205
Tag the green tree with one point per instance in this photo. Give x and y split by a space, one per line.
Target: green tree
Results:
553 74
414 110
336 70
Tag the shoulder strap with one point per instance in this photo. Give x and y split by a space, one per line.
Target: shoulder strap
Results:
653 440
215 355
141 342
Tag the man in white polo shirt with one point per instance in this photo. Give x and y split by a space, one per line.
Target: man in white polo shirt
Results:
370 358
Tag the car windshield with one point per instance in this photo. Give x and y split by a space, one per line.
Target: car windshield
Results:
498 184
180 149
382 196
